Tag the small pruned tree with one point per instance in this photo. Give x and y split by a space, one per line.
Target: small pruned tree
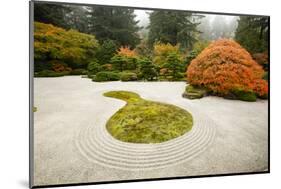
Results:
147 69
118 62
93 67
224 66
161 52
174 63
125 59
106 51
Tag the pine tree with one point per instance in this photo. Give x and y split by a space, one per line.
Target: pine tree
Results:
51 14
116 24
252 33
173 27
148 70
174 64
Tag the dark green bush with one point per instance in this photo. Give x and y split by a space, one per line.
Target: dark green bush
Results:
93 68
106 76
78 71
128 76
244 95
118 62
40 66
50 73
106 51
147 69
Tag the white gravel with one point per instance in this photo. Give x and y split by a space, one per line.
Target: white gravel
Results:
71 144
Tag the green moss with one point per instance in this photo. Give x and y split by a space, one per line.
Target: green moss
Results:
144 121
34 109
244 95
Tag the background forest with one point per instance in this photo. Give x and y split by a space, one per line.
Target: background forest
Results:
114 43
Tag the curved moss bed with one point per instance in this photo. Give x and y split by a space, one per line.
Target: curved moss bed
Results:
144 121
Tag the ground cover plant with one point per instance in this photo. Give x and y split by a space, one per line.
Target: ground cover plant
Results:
145 121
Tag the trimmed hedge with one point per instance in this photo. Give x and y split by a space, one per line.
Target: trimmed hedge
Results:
106 76
50 73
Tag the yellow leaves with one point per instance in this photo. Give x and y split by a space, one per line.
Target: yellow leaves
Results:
161 52
161 49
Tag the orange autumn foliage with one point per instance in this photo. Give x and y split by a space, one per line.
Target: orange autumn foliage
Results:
127 52
225 66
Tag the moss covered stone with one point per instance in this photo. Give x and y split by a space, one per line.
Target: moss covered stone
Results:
192 92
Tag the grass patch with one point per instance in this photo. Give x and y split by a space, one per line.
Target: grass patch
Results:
144 121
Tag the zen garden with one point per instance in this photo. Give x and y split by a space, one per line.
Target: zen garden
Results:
112 77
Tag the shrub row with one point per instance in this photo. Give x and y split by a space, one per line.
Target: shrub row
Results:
50 73
128 76
106 76
114 76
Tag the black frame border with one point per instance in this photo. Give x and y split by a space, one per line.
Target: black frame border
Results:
31 98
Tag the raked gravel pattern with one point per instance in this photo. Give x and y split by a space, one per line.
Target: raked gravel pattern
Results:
98 146
72 145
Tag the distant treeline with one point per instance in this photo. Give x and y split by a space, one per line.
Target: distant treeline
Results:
69 37
174 27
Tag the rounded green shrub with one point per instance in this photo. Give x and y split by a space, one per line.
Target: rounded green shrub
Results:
93 68
106 76
128 76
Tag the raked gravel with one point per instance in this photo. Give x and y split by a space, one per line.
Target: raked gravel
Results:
72 145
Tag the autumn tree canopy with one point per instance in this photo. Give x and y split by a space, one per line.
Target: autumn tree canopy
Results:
225 66
70 46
